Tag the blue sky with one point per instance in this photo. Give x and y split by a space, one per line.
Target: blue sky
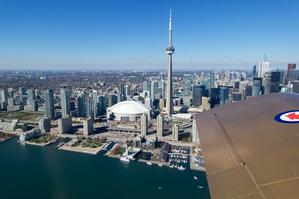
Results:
132 34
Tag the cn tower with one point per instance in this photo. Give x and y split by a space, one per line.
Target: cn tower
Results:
169 51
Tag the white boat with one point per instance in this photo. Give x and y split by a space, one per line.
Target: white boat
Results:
195 178
160 165
105 146
200 187
124 159
59 145
149 163
22 143
181 168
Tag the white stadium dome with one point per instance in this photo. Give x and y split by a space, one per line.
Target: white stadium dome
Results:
127 111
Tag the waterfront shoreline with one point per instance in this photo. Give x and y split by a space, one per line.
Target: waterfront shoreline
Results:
103 147
81 149
42 144
6 139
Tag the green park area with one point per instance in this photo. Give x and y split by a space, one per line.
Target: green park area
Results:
21 115
93 142
43 139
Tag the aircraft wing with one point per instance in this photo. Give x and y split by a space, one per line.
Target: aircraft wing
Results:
247 153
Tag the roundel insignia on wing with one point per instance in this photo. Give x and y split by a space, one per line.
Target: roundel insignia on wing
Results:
288 117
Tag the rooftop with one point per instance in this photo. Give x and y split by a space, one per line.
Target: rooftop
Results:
129 108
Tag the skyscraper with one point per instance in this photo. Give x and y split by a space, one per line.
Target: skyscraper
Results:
254 73
95 104
212 80
144 86
49 101
290 67
205 104
89 107
144 124
122 92
112 99
81 105
267 83
275 81
101 105
45 125
88 126
4 97
198 92
148 102
154 89
293 75
247 91
160 126
127 88
175 132
264 67
256 87
214 96
65 102
31 99
169 51
162 86
162 103
22 93
187 81
223 95
65 125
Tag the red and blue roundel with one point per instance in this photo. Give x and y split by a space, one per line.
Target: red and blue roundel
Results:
288 117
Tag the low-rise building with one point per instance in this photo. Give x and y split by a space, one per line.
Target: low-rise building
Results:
25 136
163 154
8 126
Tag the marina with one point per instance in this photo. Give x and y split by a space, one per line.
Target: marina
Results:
178 156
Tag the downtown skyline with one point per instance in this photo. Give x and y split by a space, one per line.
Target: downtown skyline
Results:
133 35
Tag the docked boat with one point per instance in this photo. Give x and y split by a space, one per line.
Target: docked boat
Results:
106 145
181 168
124 159
22 143
59 145
149 163
160 165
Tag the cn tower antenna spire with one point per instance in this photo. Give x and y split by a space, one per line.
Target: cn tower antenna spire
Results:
169 51
170 28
